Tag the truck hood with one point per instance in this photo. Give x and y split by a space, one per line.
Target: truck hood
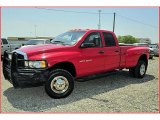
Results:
39 49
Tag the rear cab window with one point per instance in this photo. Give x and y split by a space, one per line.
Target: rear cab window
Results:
109 39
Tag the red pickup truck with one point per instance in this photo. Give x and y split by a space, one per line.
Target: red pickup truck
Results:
73 54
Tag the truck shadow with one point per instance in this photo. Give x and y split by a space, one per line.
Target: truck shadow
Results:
36 100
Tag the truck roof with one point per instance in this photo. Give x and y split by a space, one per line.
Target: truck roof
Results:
87 30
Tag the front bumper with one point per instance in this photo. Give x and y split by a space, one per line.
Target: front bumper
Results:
151 55
21 78
156 54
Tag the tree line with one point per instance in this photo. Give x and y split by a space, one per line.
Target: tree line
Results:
127 39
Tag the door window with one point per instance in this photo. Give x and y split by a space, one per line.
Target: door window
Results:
94 38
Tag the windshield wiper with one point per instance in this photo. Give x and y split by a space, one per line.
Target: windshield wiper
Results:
57 42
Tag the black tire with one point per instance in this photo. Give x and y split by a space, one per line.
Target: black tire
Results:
132 72
151 57
137 72
67 78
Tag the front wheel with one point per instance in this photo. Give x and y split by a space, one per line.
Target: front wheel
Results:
60 84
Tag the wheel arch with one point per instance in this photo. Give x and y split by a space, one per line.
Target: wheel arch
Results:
144 58
69 66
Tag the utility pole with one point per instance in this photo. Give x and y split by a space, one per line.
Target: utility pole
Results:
99 25
30 34
35 30
114 20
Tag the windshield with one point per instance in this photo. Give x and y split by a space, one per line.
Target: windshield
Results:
35 42
68 38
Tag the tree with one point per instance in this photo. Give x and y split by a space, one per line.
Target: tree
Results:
127 39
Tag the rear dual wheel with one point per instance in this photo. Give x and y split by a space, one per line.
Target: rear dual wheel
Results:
139 70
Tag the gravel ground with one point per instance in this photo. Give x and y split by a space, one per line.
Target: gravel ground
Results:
116 92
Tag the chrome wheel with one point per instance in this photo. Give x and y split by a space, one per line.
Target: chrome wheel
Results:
59 84
142 69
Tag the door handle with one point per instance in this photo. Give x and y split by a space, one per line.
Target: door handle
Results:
116 51
101 52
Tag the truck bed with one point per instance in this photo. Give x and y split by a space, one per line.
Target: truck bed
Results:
130 54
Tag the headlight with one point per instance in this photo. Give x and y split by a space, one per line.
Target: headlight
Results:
35 64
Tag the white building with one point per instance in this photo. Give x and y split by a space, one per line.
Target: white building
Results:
145 40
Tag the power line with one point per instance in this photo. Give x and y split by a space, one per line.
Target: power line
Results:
97 13
137 21
107 13
68 11
71 11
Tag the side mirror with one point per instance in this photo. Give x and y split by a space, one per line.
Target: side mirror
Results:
87 45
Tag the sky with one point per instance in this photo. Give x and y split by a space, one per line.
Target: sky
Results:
31 22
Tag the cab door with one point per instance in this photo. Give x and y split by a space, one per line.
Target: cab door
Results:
111 51
92 58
